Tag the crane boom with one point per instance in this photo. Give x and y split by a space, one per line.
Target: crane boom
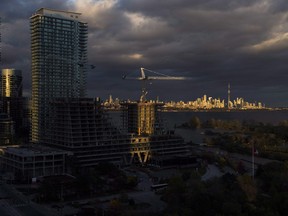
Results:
161 77
144 78
165 78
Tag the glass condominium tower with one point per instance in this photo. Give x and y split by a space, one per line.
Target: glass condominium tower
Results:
11 101
59 57
11 83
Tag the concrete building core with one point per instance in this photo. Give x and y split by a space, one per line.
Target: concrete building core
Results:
143 118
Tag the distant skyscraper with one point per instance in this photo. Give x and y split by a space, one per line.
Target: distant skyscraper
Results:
59 56
11 83
0 40
11 96
228 99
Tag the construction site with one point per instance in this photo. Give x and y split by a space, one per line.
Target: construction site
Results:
81 127
150 139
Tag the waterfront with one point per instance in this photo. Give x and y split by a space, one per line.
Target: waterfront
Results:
265 116
173 119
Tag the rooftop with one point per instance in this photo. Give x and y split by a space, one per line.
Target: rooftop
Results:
33 150
48 10
58 14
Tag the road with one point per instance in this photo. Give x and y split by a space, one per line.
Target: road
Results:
14 203
144 193
245 159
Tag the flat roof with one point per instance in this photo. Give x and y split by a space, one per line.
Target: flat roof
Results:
68 15
33 150
41 10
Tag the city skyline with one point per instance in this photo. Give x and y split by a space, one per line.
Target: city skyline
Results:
201 103
228 43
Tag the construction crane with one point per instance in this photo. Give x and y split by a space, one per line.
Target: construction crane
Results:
146 78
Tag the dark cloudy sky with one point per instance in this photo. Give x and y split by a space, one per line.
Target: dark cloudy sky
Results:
244 42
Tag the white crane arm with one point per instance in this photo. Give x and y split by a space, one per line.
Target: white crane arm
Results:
144 77
166 78
160 77
132 78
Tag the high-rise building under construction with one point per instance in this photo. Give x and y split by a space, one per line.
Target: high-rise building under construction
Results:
149 138
59 55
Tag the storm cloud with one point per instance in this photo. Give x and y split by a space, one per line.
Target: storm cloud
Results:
215 42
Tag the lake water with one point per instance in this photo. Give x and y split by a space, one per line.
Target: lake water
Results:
273 117
177 118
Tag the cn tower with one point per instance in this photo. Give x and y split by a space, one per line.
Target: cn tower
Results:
228 101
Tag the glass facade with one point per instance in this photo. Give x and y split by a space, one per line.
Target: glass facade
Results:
59 57
11 83
11 96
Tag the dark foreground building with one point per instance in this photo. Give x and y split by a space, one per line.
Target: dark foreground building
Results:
82 127
27 162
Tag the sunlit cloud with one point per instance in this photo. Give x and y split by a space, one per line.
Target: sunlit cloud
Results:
278 42
97 13
135 56
215 41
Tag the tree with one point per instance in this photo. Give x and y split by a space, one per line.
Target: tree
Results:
175 194
248 186
115 207
195 122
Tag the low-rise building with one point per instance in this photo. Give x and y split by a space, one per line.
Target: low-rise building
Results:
27 162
